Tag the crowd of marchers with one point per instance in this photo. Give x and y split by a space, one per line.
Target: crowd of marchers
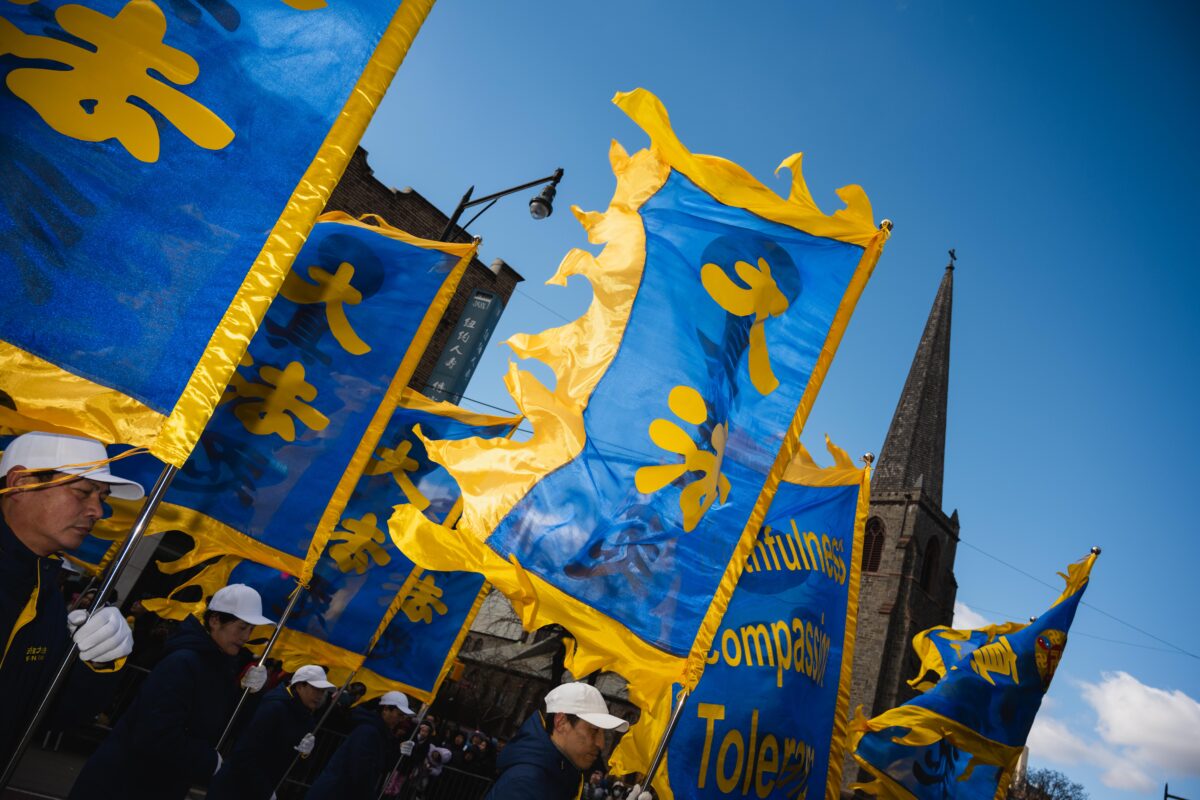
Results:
171 731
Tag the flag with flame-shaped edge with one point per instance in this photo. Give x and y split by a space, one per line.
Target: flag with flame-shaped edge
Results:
679 399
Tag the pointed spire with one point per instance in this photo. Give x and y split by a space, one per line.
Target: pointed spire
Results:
914 453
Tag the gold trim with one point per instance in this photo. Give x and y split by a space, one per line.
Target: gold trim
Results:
734 186
841 714
229 341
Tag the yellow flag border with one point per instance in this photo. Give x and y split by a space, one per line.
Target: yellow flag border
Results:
70 402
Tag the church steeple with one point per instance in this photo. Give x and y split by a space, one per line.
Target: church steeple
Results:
914 453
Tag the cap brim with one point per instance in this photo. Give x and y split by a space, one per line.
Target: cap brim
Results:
606 721
405 709
120 488
255 620
320 684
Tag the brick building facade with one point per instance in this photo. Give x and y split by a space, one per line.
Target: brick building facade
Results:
360 192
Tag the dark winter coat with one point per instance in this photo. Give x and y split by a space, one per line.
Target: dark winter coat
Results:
355 769
265 749
30 598
531 766
167 739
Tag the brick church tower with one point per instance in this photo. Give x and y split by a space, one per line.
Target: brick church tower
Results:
908 551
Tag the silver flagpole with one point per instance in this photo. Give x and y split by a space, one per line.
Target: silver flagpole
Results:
110 580
287 612
666 739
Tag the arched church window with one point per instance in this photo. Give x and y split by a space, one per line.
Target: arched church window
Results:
872 545
929 567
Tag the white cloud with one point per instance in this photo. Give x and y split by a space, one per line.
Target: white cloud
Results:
1125 774
1151 727
1052 740
966 617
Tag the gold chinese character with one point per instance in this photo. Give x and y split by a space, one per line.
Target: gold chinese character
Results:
424 598
336 293
280 393
997 657
357 543
695 498
90 99
762 299
397 463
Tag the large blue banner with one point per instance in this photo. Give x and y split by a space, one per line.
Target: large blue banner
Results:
150 156
765 716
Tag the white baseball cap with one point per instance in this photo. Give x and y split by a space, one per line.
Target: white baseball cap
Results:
584 701
73 455
242 602
396 700
312 675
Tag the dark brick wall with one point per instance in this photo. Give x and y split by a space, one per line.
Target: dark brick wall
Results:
360 192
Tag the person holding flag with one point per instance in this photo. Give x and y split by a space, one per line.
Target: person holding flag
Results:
355 769
167 740
54 487
548 755
281 727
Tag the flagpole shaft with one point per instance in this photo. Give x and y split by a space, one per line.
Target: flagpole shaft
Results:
110 579
655 762
287 612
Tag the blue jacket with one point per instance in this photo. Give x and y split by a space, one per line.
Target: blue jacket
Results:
167 739
531 766
265 749
355 769
30 600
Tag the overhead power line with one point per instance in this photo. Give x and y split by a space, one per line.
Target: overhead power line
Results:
1143 631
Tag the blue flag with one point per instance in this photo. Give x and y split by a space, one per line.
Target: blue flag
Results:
680 396
963 736
367 607
302 417
768 717
162 165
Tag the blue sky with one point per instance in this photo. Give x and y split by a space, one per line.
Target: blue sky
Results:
1051 144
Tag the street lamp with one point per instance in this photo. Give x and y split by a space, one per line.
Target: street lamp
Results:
540 206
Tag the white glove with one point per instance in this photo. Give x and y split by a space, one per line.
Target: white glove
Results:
103 638
406 747
636 793
255 678
306 745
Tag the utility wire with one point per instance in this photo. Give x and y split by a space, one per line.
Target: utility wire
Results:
1176 648
1006 615
533 299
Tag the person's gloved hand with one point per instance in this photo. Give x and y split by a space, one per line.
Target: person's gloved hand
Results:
255 678
636 793
306 745
406 747
103 638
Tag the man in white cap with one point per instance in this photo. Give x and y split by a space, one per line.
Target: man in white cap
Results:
53 490
355 769
547 757
280 728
